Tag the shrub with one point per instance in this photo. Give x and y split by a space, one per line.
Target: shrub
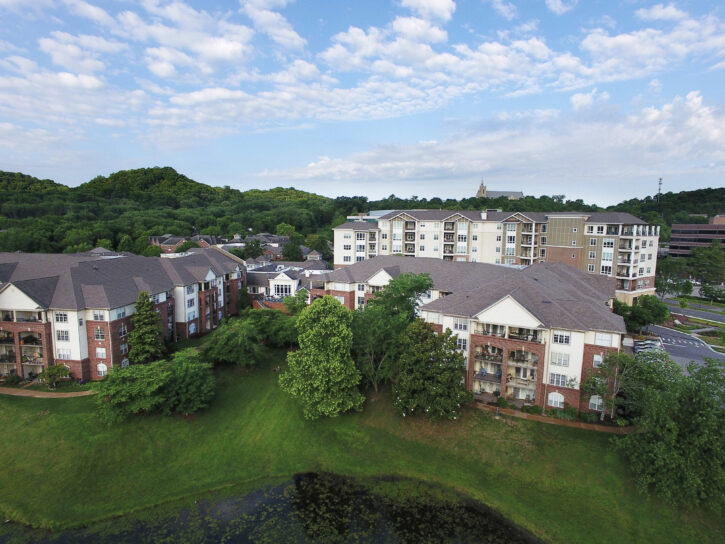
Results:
567 413
13 379
502 402
536 409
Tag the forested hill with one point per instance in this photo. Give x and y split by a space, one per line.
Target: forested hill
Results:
22 183
122 210
677 207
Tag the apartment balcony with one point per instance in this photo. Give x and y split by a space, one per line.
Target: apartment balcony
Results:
410 225
448 249
624 259
33 361
612 230
524 383
7 338
528 240
626 231
623 272
526 229
525 358
625 245
485 376
449 225
23 317
372 248
526 253
489 330
410 248
371 236
30 339
7 357
410 237
449 238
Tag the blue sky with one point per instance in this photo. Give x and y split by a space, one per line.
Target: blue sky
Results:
593 99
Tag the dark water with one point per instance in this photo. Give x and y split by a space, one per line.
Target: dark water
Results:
313 507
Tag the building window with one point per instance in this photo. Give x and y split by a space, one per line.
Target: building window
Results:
61 317
359 259
155 298
543 240
605 270
100 353
120 313
608 242
596 403
592 241
574 229
422 236
590 229
511 239
347 236
597 361
592 254
603 339
360 302
190 316
462 238
360 248
559 359
384 247
474 249
607 255
498 249
124 362
475 237
462 344
422 248
556 400
190 303
435 237
124 348
361 287
498 237
347 247
590 268
542 253
346 259
99 315
99 334
282 290
189 289
460 324
562 338
63 353
557 379
62 336
498 227
101 369
360 236
122 330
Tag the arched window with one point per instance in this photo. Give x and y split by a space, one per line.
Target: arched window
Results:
102 369
596 403
192 328
556 400
124 363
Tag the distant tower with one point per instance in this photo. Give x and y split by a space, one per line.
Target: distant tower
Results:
659 194
481 190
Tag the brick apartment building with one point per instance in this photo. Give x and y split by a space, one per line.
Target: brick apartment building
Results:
76 309
530 334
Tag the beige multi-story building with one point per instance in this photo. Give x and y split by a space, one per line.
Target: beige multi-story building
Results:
613 244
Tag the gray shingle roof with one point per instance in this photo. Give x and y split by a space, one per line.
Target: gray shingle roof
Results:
539 217
85 280
556 294
357 225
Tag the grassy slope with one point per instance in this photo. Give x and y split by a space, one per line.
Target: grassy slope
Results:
61 467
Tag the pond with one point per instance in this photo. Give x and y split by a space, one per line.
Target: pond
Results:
312 507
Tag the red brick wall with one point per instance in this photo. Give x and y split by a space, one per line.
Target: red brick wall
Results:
348 296
91 327
78 369
590 351
571 396
44 329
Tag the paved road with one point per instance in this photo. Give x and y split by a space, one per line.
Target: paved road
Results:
683 348
702 314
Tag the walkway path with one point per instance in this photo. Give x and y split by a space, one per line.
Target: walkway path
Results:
43 394
554 421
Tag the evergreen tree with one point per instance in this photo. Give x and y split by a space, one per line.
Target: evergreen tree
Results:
144 341
322 374
430 373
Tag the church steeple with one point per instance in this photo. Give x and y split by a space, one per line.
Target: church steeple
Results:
481 190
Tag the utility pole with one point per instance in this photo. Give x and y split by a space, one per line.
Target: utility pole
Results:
659 195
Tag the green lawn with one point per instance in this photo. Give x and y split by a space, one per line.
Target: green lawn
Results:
63 468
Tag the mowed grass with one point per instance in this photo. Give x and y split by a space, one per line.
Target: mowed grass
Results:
62 467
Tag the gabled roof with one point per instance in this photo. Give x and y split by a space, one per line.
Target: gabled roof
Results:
497 216
357 225
558 295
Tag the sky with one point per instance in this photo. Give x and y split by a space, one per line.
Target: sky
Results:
593 99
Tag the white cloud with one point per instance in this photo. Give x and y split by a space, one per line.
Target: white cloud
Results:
78 53
505 9
661 12
559 7
545 152
89 11
273 23
416 29
431 9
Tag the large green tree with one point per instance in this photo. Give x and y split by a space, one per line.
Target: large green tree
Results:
53 374
430 377
678 449
144 341
236 341
708 263
671 274
292 252
321 375
402 294
647 310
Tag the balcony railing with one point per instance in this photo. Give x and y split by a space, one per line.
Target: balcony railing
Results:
7 358
486 376
483 356
449 226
